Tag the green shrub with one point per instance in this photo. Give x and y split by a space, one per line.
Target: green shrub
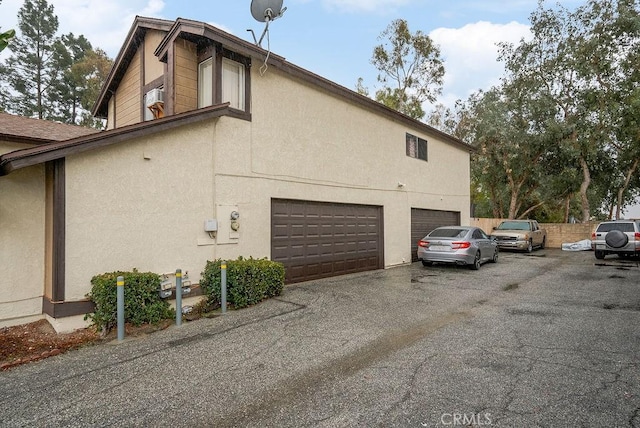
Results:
249 281
142 302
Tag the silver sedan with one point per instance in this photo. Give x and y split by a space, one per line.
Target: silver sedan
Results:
462 245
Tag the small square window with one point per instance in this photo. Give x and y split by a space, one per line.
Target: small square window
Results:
416 147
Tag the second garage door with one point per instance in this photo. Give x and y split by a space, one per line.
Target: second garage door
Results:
319 239
424 221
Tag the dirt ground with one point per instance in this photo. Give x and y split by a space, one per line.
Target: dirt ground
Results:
37 340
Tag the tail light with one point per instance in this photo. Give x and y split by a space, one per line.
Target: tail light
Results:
423 244
637 234
460 245
593 235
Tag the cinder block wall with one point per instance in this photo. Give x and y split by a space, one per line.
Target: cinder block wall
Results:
557 233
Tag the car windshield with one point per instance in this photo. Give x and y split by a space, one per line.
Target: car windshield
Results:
513 225
623 227
448 233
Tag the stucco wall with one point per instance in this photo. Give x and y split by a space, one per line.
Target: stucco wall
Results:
305 144
22 246
141 204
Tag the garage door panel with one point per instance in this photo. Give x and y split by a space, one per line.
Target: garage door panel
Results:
424 221
317 239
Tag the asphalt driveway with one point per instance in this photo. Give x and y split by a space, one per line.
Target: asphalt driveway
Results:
547 339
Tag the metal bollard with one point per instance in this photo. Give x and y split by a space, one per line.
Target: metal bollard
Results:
120 306
178 297
223 287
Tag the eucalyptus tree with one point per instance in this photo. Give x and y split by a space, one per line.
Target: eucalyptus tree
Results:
584 64
410 68
610 50
5 37
91 72
513 137
547 66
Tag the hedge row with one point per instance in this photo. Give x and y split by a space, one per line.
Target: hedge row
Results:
142 302
249 281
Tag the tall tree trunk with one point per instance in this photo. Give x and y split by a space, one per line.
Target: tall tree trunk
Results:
624 187
586 181
567 207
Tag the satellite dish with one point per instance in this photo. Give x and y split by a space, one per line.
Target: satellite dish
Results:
266 10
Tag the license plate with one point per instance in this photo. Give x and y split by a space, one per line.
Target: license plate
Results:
439 248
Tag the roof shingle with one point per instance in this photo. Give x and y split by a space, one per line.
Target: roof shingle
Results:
35 131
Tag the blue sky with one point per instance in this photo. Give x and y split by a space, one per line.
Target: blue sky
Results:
332 38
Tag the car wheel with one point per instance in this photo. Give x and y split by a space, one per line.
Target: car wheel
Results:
476 262
494 259
544 243
616 239
599 254
426 263
529 246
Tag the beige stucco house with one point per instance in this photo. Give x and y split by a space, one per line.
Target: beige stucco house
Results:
216 149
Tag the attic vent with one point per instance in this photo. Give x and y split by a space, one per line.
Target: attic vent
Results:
154 100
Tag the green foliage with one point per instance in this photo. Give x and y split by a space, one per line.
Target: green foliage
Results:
142 302
410 68
4 38
48 76
28 72
249 281
559 137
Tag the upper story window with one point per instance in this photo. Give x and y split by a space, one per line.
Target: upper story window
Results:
205 83
230 87
416 147
233 83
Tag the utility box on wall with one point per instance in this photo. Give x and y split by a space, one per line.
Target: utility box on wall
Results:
229 224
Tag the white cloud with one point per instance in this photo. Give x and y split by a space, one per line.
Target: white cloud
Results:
470 55
104 23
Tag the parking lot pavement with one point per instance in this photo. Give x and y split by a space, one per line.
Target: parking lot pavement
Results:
546 339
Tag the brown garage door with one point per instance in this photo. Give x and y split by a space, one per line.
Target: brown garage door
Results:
318 239
424 221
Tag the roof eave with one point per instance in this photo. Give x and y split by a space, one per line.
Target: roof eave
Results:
12 161
138 28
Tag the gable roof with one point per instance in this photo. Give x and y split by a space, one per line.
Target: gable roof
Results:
128 50
26 130
196 30
35 155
